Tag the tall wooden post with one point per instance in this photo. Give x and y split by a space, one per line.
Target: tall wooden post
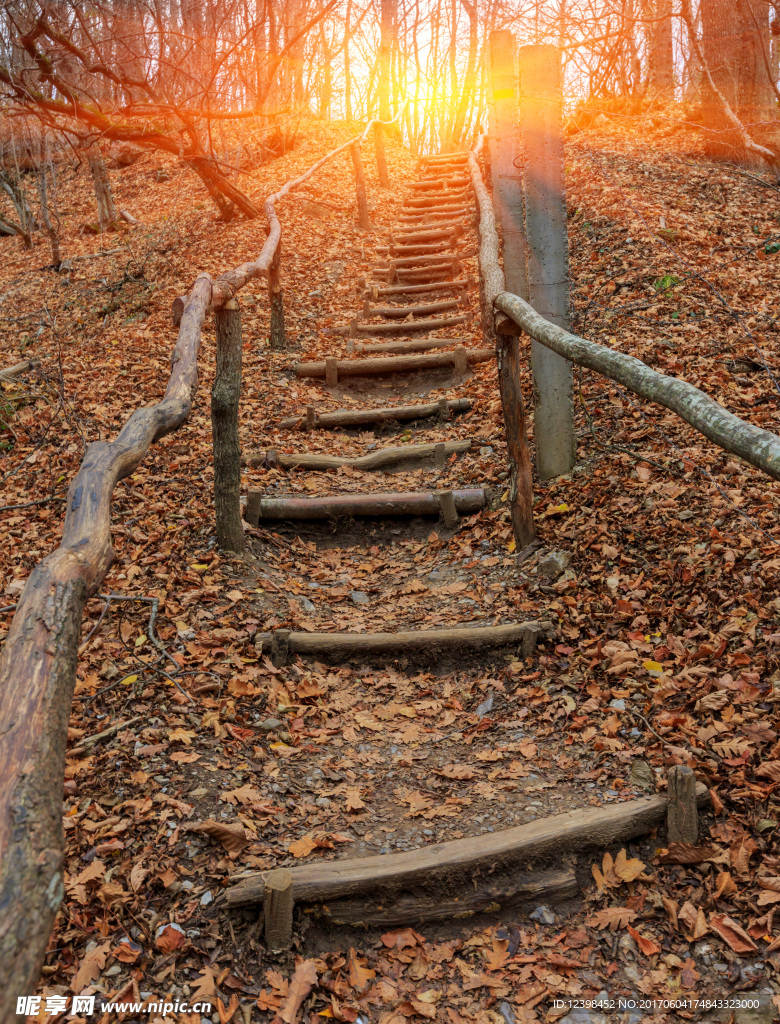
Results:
224 426
548 252
508 202
276 300
360 188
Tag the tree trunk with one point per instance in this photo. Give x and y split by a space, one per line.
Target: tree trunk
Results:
360 188
660 49
107 215
51 233
731 46
225 396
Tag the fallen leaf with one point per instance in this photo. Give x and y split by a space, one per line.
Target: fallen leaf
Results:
302 982
732 933
647 946
232 835
611 917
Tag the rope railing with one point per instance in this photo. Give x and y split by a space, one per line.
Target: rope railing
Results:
39 658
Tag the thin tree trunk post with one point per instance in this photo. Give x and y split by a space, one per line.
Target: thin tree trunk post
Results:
547 253
360 188
278 336
509 203
381 156
105 199
682 816
224 423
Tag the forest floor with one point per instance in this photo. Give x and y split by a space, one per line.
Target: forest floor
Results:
667 615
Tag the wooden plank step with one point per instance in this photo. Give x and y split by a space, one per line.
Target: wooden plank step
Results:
435 217
458 359
438 202
411 503
376 291
412 345
466 858
414 261
443 184
401 312
354 329
373 461
314 420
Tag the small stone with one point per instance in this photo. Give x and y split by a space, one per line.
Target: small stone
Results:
580 1016
761 1014
485 707
206 898
543 915
305 604
618 704
322 801
358 597
486 450
553 564
269 724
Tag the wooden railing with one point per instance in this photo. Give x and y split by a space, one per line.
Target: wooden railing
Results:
38 663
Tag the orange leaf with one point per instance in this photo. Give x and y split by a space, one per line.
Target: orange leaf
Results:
301 984
732 933
647 946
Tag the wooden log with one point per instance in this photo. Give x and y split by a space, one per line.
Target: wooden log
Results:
19 369
491 897
414 345
360 188
415 261
382 459
403 311
407 236
224 424
436 217
552 836
444 184
38 670
437 202
434 159
420 275
521 478
491 274
417 289
682 816
399 251
278 910
449 512
422 503
280 646
399 364
311 417
362 417
402 328
758 447
331 371
430 642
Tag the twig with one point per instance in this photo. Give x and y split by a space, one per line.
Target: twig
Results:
92 740
41 501
8 608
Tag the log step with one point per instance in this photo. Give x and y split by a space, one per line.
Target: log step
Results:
382 459
363 417
454 200
400 364
401 312
435 217
415 261
402 328
411 503
444 184
466 858
406 236
376 292
412 345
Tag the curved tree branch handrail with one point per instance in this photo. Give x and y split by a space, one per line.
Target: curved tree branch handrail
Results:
491 273
231 281
758 447
38 661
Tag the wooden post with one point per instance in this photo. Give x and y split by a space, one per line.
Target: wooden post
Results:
224 425
278 910
360 188
381 156
548 252
331 371
311 417
505 162
280 647
460 360
276 300
682 816
449 513
507 178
